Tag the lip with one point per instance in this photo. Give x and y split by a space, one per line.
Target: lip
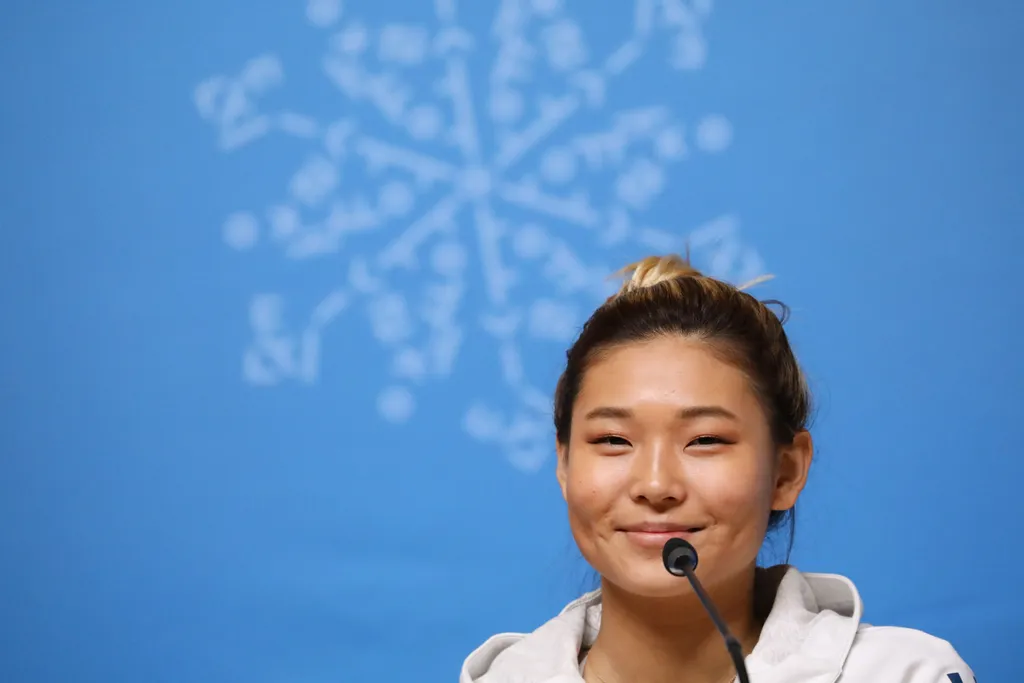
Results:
656 534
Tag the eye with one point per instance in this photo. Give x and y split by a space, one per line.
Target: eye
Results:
610 440
707 440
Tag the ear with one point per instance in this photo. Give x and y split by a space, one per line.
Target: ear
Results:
794 462
563 459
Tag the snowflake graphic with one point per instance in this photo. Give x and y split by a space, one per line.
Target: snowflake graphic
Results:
475 191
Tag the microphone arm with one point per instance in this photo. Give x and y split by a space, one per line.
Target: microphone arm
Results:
680 558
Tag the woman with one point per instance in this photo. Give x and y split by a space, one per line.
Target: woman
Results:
683 412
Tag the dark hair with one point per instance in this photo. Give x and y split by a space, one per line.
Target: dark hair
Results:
666 295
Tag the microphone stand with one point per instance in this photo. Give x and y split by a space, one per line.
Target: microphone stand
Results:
680 558
731 642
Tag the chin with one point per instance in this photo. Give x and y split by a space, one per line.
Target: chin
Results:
649 582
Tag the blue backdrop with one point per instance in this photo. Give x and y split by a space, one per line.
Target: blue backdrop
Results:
288 286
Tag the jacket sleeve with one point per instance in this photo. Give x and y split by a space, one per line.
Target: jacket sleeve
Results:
900 655
944 667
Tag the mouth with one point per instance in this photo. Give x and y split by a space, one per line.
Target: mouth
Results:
656 535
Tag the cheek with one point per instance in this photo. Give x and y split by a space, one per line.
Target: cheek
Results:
583 499
591 491
740 490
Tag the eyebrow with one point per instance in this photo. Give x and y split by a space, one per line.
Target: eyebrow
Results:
690 413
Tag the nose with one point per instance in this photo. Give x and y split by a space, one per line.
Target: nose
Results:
657 476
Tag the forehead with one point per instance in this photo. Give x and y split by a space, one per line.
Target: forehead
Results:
670 370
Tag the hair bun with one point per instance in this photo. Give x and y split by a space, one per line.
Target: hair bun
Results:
654 270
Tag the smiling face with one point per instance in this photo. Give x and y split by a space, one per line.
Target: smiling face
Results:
669 440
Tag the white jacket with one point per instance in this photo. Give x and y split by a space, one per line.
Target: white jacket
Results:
812 635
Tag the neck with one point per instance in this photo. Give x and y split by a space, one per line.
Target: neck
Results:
660 640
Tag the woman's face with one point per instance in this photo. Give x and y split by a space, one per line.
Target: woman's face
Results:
668 440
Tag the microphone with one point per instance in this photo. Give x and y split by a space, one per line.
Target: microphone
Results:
680 558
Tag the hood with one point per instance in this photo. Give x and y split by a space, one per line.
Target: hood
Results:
806 637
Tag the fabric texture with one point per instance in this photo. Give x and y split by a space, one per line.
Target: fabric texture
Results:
812 634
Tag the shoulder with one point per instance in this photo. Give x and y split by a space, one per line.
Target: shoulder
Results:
550 651
904 654
816 619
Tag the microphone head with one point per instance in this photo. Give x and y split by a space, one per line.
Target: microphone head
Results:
679 556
